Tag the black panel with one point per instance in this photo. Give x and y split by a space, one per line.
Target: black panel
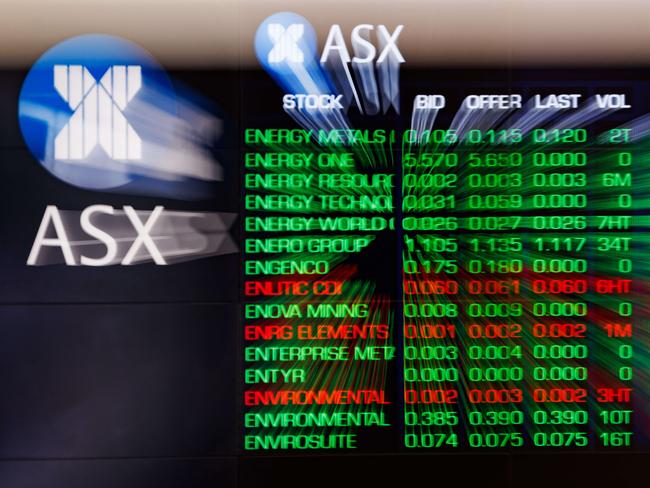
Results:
117 381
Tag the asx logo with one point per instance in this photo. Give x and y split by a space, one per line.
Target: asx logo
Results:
93 111
98 112
285 44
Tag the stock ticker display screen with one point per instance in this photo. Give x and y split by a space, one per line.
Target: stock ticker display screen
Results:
467 277
323 257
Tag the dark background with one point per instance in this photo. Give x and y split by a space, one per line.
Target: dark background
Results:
129 376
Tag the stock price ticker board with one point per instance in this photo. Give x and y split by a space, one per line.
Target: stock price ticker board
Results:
330 260
470 275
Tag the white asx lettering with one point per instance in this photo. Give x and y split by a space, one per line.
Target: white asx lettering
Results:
52 220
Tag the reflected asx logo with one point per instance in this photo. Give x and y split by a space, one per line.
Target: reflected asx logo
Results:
285 44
